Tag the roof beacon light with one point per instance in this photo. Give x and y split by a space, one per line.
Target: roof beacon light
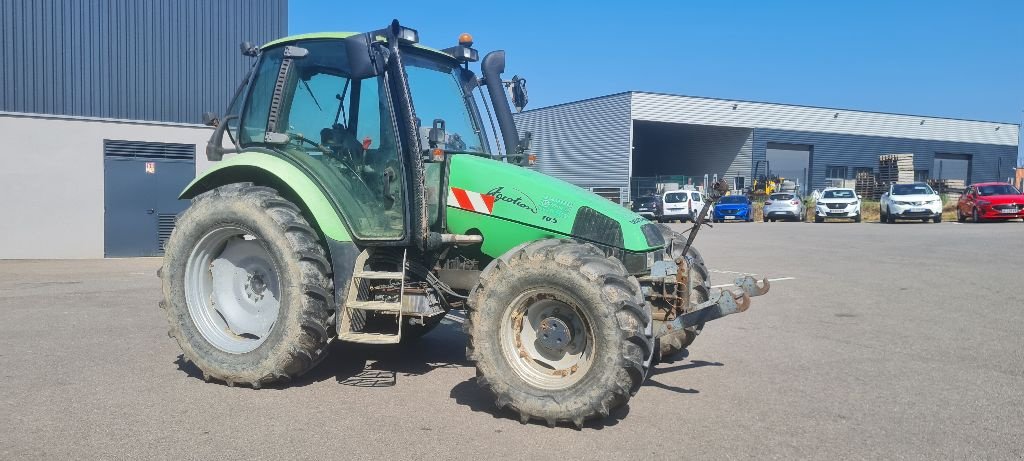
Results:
463 52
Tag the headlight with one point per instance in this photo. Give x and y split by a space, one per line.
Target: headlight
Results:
854 203
902 203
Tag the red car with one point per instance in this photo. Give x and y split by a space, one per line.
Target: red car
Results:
990 200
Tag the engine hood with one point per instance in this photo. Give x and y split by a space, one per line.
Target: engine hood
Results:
490 189
914 197
1002 199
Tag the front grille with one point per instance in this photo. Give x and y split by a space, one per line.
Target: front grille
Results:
1009 206
653 235
591 225
836 206
730 211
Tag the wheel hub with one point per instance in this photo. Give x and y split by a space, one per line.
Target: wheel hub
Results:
232 289
554 334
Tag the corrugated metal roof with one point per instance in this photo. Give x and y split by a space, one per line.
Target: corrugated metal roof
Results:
129 59
746 114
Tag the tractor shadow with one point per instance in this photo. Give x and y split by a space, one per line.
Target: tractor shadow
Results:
360 365
468 393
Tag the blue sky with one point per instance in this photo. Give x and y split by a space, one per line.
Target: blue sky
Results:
949 59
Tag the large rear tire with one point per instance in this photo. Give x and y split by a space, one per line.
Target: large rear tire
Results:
247 287
559 332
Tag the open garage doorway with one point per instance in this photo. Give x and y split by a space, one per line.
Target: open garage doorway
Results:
789 161
956 167
679 154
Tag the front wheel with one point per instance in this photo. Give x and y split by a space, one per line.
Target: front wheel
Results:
559 332
975 217
247 287
937 218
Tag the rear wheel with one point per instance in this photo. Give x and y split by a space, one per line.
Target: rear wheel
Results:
247 287
559 332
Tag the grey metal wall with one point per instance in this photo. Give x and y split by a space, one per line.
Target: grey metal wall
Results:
863 151
586 142
155 60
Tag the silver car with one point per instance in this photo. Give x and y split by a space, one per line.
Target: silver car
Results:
784 205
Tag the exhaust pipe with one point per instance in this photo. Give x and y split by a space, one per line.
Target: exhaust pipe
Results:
492 67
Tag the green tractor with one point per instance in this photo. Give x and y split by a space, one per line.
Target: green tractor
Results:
362 202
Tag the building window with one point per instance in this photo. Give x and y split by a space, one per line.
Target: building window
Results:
835 172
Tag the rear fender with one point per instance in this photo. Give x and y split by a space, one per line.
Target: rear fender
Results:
268 170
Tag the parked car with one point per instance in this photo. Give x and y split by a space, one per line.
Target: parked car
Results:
681 205
990 200
648 206
733 208
836 202
910 201
784 205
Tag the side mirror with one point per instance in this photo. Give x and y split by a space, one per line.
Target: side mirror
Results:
210 119
519 96
436 134
859 197
248 49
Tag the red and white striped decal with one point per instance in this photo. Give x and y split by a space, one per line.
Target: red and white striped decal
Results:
469 200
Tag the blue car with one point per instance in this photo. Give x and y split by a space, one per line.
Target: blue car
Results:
733 208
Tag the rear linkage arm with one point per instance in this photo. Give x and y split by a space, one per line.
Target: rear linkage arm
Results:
723 302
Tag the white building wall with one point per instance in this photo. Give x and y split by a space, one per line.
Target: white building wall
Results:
51 180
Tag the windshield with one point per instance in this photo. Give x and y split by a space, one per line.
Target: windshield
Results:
675 197
842 193
437 93
997 189
911 189
733 199
646 200
783 196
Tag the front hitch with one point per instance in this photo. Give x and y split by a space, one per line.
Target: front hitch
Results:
721 304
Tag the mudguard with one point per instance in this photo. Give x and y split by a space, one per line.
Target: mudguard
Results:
281 172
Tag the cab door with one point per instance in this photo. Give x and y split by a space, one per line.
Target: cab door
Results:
305 105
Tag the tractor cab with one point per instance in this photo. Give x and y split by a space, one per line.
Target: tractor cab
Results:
373 117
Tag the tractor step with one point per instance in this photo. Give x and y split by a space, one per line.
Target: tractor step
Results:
379 275
357 308
370 338
380 306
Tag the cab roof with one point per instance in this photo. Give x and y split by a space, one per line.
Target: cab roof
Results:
335 35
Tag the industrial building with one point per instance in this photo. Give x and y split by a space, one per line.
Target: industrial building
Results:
606 143
100 110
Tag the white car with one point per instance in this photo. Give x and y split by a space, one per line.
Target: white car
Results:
837 202
910 201
681 204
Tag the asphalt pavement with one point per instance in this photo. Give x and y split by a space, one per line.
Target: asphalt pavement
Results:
875 342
